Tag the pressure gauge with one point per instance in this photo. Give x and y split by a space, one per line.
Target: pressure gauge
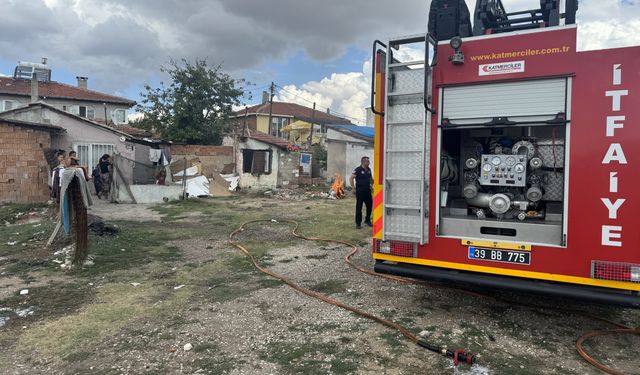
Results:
487 167
496 160
511 161
519 168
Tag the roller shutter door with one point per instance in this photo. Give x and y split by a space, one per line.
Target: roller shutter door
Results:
538 100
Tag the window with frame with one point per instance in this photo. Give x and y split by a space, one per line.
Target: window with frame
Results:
119 116
277 123
256 162
83 111
7 105
89 154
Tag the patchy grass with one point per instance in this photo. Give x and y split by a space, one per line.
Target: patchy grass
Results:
330 287
74 319
207 347
24 238
116 305
395 341
49 301
137 244
217 365
11 213
317 257
312 358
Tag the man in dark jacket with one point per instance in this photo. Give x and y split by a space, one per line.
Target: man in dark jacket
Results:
361 181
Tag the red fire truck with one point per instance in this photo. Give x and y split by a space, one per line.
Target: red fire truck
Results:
507 158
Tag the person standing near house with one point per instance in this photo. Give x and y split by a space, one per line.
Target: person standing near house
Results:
97 180
105 174
362 180
72 160
61 156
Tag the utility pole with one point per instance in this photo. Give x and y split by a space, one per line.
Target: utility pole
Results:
270 127
313 115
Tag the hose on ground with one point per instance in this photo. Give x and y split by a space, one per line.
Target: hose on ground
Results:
591 360
458 355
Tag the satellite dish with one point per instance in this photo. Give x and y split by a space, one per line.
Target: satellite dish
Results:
123 139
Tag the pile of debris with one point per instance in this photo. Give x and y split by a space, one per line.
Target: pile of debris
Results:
296 195
189 174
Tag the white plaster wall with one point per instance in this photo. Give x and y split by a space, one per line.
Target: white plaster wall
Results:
354 153
346 161
150 193
336 159
264 181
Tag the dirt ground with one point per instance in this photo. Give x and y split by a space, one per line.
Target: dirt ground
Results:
169 295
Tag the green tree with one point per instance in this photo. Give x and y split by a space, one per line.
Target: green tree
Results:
195 107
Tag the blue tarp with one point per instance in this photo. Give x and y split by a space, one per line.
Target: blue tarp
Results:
360 130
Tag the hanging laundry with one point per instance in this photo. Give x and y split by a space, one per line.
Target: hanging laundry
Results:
155 155
65 203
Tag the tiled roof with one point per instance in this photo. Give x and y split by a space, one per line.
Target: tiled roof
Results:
22 87
269 139
297 111
133 131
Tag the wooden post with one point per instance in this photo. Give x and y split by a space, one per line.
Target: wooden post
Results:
270 110
313 116
54 234
184 180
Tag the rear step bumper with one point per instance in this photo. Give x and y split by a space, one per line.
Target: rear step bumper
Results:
585 293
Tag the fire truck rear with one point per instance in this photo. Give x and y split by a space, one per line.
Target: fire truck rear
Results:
506 158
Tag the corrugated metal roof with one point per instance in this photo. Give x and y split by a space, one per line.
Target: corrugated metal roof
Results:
355 130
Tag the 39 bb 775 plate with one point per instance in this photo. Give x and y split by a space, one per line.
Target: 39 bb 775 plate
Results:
502 256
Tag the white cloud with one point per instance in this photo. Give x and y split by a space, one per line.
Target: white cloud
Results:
343 93
349 93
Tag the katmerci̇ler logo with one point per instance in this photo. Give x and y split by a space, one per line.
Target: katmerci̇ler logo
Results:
501 68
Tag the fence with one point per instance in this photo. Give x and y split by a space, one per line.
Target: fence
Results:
139 182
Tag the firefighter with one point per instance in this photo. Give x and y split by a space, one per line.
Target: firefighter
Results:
363 181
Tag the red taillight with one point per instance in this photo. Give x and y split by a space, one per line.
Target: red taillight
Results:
396 248
615 271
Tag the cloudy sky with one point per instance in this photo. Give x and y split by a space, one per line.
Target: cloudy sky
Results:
313 50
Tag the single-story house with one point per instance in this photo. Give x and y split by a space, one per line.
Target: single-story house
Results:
91 140
263 161
24 171
346 145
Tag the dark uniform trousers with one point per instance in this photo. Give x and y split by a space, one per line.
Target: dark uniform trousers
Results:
363 196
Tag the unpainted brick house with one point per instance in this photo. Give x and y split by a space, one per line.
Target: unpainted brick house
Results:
24 171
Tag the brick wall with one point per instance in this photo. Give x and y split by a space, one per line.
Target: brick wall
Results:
215 159
24 172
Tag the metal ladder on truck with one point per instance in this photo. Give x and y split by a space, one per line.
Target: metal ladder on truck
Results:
406 142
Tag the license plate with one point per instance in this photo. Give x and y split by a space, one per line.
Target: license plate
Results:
497 255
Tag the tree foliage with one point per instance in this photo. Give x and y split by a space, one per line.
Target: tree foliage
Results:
195 107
